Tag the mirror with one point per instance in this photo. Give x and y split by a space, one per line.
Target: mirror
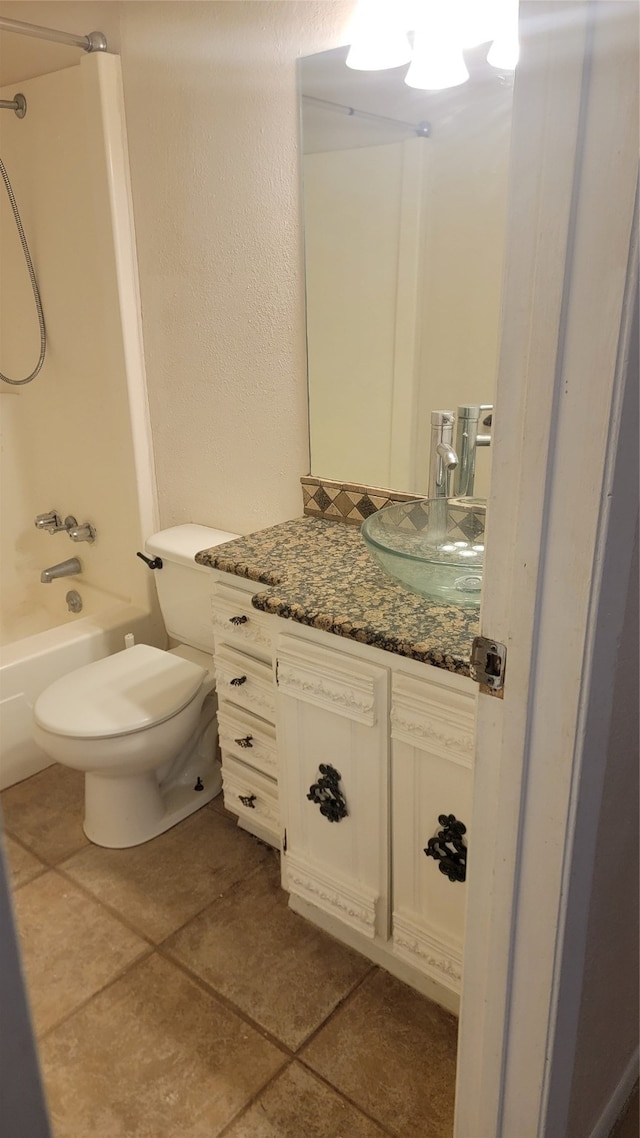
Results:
404 219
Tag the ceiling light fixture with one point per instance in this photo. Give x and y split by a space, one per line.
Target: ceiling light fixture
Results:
442 29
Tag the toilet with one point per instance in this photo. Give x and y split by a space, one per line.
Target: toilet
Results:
141 723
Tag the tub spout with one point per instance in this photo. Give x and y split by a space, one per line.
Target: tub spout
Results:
63 569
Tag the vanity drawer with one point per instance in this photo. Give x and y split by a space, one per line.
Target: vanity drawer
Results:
243 680
253 797
236 622
251 740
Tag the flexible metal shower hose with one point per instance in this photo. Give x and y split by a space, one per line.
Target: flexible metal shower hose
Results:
34 285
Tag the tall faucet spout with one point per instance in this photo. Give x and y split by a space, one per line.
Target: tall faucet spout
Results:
67 568
443 458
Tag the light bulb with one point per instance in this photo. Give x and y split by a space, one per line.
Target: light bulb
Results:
379 38
504 53
478 21
505 50
437 62
378 51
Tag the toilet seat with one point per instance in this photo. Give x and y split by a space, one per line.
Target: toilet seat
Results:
119 695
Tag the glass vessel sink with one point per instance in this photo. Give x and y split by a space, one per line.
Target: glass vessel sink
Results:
433 546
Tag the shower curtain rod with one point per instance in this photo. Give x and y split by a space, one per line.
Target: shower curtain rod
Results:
95 41
422 129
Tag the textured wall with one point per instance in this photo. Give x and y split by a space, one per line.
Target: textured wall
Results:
210 92
212 119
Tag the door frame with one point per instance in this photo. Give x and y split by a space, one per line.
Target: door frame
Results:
558 503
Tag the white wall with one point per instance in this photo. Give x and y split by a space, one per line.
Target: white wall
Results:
212 119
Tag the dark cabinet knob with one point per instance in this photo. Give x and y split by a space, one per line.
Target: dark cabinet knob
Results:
246 741
448 848
248 800
238 620
237 681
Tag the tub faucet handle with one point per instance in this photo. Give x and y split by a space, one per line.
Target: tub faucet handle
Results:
84 532
51 522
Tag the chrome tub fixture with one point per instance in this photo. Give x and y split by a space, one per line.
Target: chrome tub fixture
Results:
53 523
67 568
84 532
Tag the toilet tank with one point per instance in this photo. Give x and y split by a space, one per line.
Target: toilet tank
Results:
185 588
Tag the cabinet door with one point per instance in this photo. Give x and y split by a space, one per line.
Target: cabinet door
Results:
333 713
432 731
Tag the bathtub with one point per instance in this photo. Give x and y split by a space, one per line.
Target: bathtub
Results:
41 640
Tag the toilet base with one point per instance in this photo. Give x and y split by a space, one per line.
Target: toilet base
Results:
121 812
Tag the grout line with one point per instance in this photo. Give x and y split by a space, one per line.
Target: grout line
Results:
47 862
114 979
254 1098
114 912
356 1105
340 1006
105 905
227 1003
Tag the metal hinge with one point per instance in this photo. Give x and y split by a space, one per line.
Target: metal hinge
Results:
488 663
284 842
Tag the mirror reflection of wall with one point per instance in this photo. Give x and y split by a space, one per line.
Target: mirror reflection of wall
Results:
404 244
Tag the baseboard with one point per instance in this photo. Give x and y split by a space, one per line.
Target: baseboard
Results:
615 1105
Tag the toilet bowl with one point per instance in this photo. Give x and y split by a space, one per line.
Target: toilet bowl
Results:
141 723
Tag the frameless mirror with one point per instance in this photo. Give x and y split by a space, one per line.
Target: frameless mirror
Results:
404 218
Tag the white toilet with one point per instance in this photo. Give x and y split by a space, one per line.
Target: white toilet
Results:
141 723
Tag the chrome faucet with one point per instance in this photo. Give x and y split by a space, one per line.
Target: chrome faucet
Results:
443 459
467 439
52 523
62 569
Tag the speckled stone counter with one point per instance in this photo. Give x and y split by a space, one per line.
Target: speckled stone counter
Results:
319 573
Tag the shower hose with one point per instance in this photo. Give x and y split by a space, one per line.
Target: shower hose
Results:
34 285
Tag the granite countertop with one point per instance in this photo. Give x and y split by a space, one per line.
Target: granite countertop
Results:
319 573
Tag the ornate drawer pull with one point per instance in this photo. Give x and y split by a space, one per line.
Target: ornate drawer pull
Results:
248 800
238 681
247 741
448 848
326 792
238 619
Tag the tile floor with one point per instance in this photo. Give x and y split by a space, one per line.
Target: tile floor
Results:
175 995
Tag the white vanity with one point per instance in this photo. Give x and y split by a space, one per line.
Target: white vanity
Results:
387 742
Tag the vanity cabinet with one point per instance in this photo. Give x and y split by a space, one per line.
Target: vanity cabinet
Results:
332 736
246 709
432 745
400 736
345 757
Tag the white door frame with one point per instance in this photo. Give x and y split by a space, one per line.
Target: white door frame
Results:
566 315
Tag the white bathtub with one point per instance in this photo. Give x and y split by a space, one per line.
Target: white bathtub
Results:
52 642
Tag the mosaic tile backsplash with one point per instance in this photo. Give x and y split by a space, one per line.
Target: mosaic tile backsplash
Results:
347 502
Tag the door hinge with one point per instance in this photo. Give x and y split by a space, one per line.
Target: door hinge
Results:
284 842
488 663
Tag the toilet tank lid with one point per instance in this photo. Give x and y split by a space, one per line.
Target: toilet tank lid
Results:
181 543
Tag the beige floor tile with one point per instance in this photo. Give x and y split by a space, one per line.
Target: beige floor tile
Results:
45 812
392 1052
297 1105
284 973
23 866
152 1057
158 886
71 947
